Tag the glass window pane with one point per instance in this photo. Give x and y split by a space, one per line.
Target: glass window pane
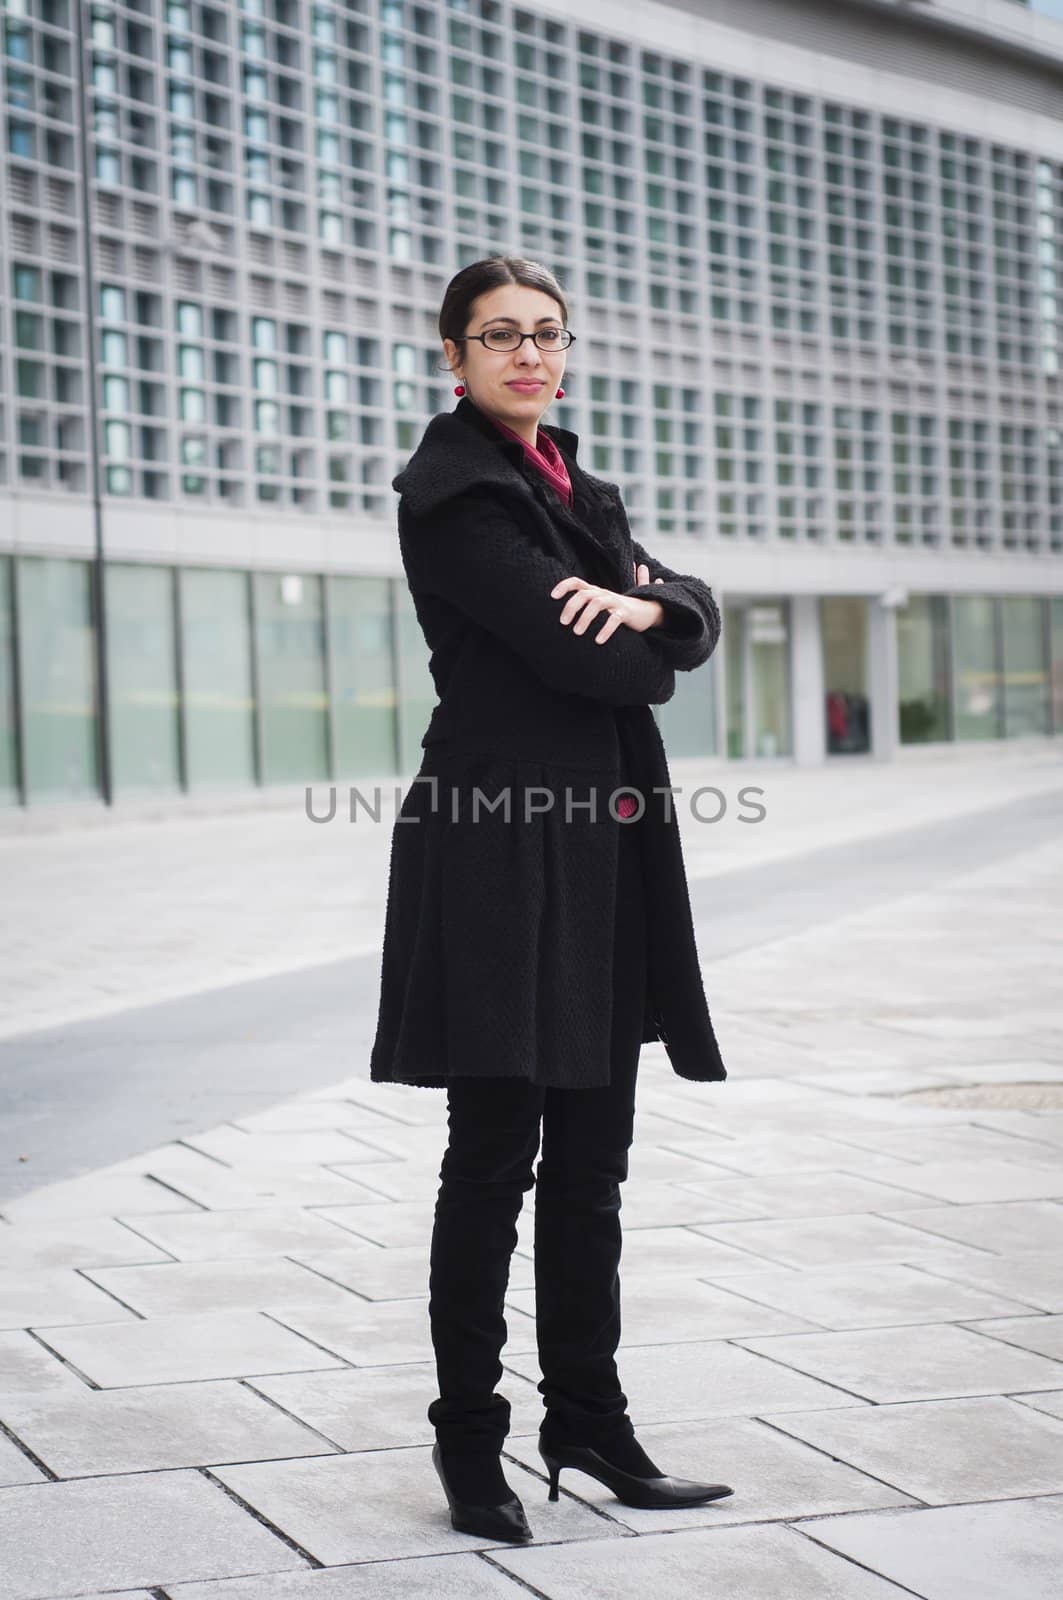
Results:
769 667
975 669
688 721
364 697
58 675
735 679
923 669
8 773
1056 614
291 664
216 655
142 680
1026 708
417 690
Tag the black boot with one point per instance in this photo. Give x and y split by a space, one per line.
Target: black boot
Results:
625 1468
473 1475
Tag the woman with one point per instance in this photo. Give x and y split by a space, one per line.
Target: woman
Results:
538 924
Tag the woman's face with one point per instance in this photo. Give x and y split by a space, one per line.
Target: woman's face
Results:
516 386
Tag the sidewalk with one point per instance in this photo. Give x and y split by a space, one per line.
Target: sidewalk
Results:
840 1297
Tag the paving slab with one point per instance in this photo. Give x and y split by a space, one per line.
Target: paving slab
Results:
1051 1404
911 1363
466 1577
100 1194
978 1028
829 1241
379 1505
1033 1276
384 1222
663 1252
703 1379
771 1479
398 1273
980 1179
237 1147
260 1231
658 1164
761 1563
184 1349
799 1152
661 1119
650 1204
863 1076
958 1143
75 1242
659 1309
394 1179
28 1367
16 1466
250 1185
869 1297
43 1297
258 1283
165 1163
1041 1334
310 1114
401 1103
119 1533
1038 1126
943 1450
145 1430
1009 1071
812 1194
369 1333
422 1142
1017 1226
376 1408
957 1552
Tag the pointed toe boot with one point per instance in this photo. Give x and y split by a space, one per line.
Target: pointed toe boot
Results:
649 1493
506 1521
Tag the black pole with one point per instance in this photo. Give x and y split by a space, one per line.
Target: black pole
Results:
98 581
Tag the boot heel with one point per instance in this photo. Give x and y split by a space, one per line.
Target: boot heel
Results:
553 1467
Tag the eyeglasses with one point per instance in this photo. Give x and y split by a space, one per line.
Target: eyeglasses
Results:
510 339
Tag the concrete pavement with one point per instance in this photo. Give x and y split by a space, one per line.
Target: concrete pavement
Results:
843 1275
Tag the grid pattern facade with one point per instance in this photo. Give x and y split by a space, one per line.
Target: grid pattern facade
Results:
802 320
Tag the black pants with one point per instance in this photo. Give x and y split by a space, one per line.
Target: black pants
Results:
494 1136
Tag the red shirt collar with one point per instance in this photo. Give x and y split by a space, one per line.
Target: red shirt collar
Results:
545 457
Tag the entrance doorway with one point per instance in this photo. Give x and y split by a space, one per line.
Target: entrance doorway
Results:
844 632
757 660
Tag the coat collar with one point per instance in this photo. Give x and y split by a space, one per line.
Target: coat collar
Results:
462 449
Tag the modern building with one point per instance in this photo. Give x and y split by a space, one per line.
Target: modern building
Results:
815 259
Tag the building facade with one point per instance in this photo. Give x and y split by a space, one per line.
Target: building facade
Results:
815 259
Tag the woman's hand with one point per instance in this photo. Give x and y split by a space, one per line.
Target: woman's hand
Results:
587 600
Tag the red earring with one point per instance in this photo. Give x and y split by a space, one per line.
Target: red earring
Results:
560 395
460 389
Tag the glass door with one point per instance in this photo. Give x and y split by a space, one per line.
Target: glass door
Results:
757 657
843 631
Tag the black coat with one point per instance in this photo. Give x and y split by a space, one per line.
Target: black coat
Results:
498 936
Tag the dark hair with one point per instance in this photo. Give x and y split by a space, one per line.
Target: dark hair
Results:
480 277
